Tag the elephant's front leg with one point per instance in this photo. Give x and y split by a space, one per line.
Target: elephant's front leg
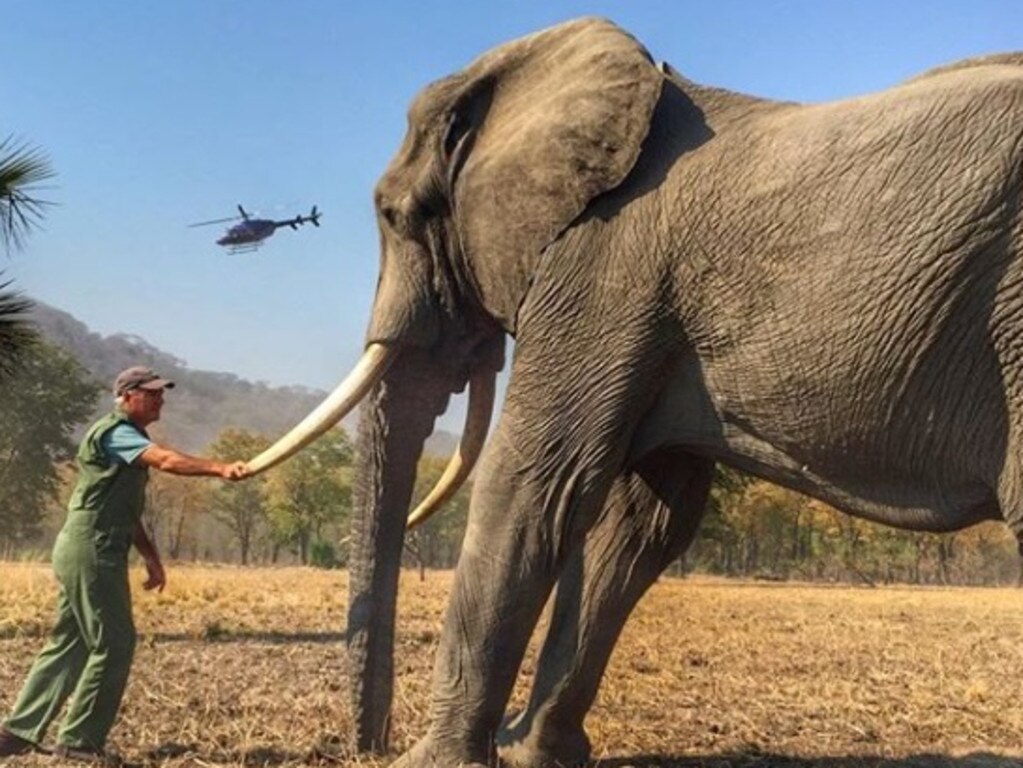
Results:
542 481
519 531
650 518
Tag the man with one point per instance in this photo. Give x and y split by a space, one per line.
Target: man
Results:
90 650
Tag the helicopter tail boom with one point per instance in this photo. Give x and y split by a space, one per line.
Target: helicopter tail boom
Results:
313 218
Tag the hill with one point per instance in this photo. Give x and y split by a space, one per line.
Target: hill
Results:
204 402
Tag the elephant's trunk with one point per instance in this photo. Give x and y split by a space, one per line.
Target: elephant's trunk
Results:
395 421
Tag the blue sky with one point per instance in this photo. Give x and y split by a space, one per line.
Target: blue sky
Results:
156 115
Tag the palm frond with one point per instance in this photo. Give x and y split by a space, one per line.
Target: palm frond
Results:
16 334
22 168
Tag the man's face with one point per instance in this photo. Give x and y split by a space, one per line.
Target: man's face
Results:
143 405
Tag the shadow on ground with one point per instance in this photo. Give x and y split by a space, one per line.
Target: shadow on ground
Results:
217 635
330 755
766 760
261 756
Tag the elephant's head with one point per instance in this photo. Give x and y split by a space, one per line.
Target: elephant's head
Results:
498 160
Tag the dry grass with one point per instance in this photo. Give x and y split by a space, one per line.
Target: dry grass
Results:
246 667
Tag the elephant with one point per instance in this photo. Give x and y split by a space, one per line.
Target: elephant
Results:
828 296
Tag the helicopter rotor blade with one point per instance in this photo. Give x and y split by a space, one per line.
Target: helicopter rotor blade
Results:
213 221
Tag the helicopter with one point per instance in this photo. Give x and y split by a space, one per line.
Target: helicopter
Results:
249 235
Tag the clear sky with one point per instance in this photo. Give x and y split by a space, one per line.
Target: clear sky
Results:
156 115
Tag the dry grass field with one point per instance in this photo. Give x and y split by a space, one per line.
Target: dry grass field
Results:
245 667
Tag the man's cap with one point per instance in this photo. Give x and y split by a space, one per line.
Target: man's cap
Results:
139 377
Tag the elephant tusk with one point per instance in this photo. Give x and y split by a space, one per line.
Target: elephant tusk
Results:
367 373
477 422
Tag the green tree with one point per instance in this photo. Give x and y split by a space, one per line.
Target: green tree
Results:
172 512
716 548
15 335
437 542
241 507
311 491
48 396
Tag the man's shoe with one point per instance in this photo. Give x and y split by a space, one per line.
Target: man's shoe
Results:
11 745
86 755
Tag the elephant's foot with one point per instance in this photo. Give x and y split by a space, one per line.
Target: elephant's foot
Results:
525 743
427 753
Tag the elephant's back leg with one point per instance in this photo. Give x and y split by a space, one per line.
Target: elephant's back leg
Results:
650 518
1006 324
1010 491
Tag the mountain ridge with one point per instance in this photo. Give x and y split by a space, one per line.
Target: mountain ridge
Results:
203 402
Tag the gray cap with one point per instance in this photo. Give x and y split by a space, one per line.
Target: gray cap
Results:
139 377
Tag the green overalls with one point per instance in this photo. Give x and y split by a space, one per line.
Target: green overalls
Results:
91 646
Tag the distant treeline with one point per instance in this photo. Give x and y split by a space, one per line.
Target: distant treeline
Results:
300 511
204 402
756 529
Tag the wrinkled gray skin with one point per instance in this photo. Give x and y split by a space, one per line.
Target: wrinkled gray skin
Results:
828 296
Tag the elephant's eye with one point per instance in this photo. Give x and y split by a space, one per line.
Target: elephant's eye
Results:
391 216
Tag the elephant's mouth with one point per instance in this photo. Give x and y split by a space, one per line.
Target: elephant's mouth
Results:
477 422
368 372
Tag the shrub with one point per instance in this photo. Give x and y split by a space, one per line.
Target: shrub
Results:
322 554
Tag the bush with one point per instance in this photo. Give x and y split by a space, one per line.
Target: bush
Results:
322 554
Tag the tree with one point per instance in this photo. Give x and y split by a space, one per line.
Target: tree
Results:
172 512
311 491
716 547
48 396
15 334
240 506
22 167
436 543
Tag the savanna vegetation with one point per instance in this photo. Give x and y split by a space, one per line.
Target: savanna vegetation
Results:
299 512
246 667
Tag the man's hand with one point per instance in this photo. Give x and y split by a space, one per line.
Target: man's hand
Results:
156 578
235 471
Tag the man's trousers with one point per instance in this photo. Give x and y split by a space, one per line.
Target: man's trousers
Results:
89 653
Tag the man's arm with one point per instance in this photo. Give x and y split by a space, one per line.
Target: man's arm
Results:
177 463
154 567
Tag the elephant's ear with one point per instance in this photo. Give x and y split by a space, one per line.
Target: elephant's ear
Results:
566 112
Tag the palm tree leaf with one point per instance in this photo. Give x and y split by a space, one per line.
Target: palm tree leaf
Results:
22 169
16 333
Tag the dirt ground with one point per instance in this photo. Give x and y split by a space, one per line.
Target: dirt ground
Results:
246 667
